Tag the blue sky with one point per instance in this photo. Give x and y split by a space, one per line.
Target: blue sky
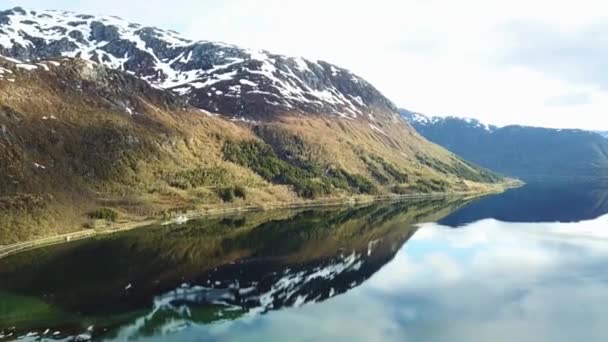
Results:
537 63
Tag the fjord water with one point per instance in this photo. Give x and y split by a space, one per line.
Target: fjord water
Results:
526 265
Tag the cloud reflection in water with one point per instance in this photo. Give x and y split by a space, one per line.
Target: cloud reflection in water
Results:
489 281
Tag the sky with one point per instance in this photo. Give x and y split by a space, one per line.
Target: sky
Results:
538 63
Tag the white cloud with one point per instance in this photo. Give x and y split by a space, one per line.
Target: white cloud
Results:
436 57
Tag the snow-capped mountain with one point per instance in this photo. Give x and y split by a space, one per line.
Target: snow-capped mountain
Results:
144 111
526 152
414 117
213 76
418 119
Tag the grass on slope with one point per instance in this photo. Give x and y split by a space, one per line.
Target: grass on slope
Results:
308 183
69 147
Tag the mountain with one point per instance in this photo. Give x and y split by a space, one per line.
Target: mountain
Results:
219 77
519 151
603 133
105 120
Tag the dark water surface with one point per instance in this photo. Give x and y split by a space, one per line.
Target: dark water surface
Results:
549 201
383 272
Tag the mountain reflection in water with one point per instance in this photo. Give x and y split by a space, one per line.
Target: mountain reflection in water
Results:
539 201
382 272
158 280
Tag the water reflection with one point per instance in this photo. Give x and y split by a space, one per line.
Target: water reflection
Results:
490 281
548 201
156 281
374 273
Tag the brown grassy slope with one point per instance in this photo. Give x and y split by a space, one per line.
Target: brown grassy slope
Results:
381 156
75 137
91 152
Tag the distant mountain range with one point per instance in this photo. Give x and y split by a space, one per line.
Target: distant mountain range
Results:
103 120
520 151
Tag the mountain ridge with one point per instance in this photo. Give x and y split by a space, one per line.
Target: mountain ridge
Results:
213 76
517 150
84 144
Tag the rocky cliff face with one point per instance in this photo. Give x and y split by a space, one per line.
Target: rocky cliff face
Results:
217 77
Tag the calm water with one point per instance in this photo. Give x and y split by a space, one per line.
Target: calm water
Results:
527 265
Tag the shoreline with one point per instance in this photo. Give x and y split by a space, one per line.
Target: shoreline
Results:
19 247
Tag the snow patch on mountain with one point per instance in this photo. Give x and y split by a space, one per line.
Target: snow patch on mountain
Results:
421 120
27 66
475 123
213 76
